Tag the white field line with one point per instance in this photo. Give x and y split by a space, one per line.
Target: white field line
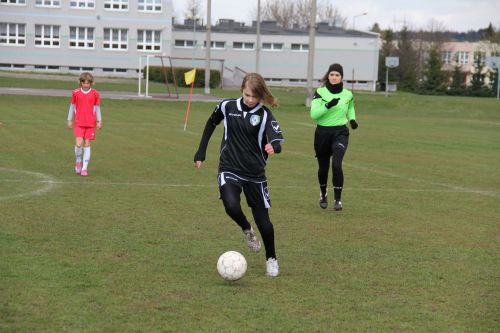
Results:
451 188
138 184
415 180
303 124
46 182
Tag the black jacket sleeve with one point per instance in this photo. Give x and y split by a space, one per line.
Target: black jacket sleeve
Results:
210 126
276 146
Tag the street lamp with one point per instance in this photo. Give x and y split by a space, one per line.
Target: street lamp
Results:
354 20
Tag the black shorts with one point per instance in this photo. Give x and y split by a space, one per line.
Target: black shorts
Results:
256 193
328 138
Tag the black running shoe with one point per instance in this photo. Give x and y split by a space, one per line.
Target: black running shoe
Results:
323 201
337 205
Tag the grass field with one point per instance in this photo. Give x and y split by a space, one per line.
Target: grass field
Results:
133 247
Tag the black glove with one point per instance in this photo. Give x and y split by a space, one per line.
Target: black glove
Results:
353 123
199 156
332 103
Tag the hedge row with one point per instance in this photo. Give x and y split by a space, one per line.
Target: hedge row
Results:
156 74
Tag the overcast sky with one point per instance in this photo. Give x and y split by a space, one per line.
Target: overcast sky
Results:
456 15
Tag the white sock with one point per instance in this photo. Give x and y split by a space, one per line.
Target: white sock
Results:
86 157
78 154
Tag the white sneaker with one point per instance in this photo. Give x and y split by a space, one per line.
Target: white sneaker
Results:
272 267
252 240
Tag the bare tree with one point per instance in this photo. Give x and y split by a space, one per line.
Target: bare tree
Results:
194 9
329 13
290 13
280 11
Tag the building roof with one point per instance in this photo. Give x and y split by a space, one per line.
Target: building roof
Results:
271 28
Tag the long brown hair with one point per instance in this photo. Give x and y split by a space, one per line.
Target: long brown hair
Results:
255 82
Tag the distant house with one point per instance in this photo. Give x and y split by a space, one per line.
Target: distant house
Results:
464 54
114 37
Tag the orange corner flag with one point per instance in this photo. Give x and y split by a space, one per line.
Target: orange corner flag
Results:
189 76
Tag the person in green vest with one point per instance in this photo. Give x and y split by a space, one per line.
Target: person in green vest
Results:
332 107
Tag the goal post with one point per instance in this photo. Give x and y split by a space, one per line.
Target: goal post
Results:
161 60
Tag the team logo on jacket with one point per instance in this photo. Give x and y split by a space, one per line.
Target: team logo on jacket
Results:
255 120
276 126
266 194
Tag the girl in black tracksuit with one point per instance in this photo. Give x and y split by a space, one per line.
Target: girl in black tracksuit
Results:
251 134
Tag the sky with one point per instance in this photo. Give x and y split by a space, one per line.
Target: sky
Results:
455 15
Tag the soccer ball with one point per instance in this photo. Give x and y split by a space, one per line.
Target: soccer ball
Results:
232 265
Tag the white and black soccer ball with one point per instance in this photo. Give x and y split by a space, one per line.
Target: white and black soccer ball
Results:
232 265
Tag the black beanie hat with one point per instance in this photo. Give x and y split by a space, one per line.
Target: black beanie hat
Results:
336 68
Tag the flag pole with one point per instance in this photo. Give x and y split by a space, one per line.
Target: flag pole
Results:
189 105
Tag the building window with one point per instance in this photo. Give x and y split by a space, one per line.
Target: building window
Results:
149 5
272 46
115 39
44 67
243 46
47 35
481 56
114 70
300 47
13 2
148 40
116 4
184 43
81 37
462 57
12 34
215 45
82 4
48 3
446 57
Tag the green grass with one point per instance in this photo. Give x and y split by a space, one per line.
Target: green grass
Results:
133 247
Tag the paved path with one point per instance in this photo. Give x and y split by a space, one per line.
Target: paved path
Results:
106 94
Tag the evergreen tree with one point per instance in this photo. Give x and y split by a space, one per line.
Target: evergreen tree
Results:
489 34
387 50
494 81
477 86
407 78
457 86
376 28
434 78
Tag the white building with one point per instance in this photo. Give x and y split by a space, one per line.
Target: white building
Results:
283 52
108 37
102 36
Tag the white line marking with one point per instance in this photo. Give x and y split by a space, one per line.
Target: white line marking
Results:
452 188
415 180
303 124
366 189
47 182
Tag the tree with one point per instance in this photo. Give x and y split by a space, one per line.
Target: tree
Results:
193 9
388 49
434 78
457 86
494 81
376 28
407 78
290 13
490 34
477 86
